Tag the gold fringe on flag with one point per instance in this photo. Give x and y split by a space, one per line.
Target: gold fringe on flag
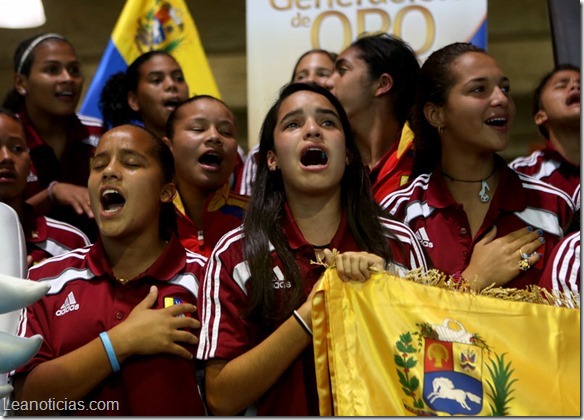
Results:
437 278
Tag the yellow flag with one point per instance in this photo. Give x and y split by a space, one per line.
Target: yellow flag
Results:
393 347
146 25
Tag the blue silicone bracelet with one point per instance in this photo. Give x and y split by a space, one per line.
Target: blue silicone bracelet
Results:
109 349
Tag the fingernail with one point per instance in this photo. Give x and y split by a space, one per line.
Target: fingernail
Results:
542 240
529 228
540 255
540 232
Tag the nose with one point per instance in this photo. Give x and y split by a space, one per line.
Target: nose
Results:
5 155
213 135
312 129
65 76
111 170
170 83
500 97
329 83
312 78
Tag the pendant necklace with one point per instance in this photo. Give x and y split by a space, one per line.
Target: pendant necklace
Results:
484 186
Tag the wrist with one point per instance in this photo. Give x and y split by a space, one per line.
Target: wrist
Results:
472 280
51 191
305 312
110 352
120 344
302 323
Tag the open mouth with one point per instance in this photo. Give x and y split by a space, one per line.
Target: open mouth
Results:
212 159
66 94
7 174
496 122
314 156
112 201
171 103
574 98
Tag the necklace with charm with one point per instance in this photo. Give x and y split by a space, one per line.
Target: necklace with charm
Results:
483 193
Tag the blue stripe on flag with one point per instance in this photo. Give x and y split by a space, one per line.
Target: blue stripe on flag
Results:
480 37
111 62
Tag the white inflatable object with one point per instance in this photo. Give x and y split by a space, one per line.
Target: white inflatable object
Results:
12 243
20 350
12 261
15 293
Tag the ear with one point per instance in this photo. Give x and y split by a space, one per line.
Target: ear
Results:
540 117
434 115
167 141
168 192
272 160
20 83
384 84
133 101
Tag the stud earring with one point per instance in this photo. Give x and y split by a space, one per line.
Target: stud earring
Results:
22 92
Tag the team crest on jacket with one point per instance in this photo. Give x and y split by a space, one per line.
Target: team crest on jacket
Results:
461 375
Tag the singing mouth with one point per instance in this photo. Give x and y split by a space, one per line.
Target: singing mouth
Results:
314 156
211 158
112 200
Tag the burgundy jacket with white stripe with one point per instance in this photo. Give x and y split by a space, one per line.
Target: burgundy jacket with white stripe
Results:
441 224
85 299
225 293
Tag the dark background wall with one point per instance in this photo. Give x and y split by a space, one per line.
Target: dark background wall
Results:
519 37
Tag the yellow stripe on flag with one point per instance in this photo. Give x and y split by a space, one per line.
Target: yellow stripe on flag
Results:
393 347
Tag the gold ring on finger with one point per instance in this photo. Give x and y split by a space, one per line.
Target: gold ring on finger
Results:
523 265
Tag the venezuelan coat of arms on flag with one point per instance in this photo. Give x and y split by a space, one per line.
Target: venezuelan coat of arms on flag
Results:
453 361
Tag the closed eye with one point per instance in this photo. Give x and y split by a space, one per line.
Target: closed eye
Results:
132 164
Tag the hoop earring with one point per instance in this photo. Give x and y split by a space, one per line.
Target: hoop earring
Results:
441 130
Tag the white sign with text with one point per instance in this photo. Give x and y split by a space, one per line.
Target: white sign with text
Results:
279 31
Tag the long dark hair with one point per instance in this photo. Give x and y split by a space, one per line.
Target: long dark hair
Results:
262 222
21 64
436 80
385 53
113 100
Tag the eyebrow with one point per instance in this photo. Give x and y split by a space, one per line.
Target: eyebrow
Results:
327 111
340 62
53 61
566 78
8 138
485 79
297 112
124 152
